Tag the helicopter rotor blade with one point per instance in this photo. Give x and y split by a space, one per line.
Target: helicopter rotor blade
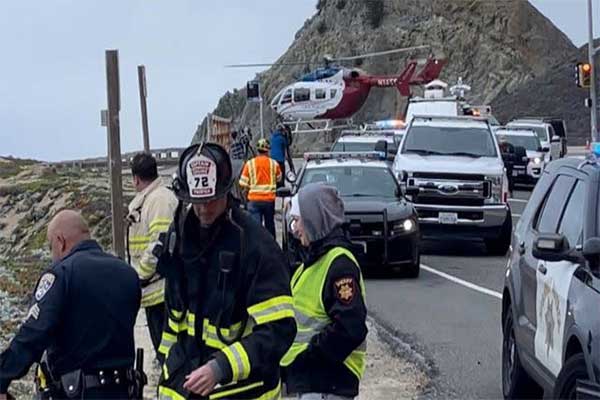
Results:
263 65
381 53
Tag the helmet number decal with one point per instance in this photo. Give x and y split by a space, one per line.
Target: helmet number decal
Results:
201 177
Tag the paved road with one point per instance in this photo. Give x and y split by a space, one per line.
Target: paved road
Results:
443 317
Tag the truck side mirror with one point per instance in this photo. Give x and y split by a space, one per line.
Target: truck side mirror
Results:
591 252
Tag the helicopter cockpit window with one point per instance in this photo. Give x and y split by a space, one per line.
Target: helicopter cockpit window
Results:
320 94
301 95
275 101
333 93
287 97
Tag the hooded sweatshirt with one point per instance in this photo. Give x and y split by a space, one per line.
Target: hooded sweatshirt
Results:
320 368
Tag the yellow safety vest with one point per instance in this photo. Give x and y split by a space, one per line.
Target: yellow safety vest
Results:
311 317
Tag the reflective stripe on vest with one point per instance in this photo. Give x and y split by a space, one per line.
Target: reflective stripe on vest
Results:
311 317
262 184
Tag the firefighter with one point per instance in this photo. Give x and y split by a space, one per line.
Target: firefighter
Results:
259 177
327 359
230 315
83 315
150 213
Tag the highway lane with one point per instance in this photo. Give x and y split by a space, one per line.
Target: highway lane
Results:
451 316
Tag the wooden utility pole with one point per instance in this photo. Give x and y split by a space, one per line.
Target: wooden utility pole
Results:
143 105
114 152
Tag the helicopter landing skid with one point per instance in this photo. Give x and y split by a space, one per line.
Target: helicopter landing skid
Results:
318 125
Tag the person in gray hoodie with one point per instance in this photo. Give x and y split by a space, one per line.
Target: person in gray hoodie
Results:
327 358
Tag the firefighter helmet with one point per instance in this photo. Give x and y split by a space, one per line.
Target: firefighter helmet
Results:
204 174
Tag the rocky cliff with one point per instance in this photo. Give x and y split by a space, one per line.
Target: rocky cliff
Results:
496 46
552 94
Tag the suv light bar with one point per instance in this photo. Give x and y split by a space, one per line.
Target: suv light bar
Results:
338 155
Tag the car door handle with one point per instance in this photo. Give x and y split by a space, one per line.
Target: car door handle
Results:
542 268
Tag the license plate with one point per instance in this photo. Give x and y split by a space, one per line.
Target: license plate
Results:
448 218
363 245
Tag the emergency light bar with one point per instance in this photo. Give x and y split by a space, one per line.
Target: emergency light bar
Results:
345 155
391 124
368 133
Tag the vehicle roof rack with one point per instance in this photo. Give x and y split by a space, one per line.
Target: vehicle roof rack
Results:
344 155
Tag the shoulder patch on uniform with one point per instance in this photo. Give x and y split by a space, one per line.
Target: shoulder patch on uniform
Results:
46 282
345 289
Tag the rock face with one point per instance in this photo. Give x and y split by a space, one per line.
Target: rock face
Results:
496 46
552 94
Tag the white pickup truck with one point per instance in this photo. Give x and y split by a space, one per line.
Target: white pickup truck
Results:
453 169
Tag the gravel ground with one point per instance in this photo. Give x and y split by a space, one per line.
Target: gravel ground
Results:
387 376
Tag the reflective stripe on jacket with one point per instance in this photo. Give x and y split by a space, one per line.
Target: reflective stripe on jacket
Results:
150 213
311 316
260 176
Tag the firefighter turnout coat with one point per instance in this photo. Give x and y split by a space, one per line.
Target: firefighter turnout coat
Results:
150 213
228 300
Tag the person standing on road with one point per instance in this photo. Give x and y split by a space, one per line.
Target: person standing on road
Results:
150 213
237 150
259 177
327 359
279 147
508 156
83 316
230 314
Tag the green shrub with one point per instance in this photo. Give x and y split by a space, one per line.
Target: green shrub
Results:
322 27
341 4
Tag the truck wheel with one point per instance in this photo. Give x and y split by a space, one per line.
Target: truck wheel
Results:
574 369
516 382
413 270
500 245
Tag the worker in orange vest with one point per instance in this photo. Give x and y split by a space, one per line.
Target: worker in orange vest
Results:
259 178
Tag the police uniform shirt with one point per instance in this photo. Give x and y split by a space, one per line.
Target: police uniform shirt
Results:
83 313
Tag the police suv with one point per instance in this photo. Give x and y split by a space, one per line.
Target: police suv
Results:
550 313
381 223
454 171
551 142
531 170
358 140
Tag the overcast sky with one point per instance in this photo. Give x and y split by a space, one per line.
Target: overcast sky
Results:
52 73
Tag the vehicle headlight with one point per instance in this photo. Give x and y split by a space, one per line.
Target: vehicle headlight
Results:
497 186
404 226
536 160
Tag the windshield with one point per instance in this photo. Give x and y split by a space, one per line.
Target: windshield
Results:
354 181
359 147
531 143
540 131
461 141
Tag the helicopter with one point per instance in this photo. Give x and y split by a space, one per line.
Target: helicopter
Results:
335 93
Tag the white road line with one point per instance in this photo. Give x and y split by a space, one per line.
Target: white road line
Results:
516 215
518 201
464 283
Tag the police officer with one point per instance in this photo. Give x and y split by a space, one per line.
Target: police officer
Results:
327 359
230 315
83 316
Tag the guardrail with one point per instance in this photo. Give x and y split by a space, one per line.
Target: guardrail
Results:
165 157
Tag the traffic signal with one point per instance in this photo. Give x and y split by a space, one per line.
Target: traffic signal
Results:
583 75
253 90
